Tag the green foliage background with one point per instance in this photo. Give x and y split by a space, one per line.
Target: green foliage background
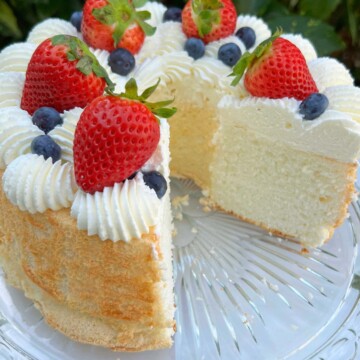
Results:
332 25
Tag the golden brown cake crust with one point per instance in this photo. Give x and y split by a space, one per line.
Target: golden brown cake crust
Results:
97 292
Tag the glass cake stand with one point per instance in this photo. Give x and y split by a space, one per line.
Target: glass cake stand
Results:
240 292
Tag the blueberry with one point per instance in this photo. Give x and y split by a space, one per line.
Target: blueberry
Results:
154 180
229 54
76 19
121 61
46 146
247 36
46 118
195 48
313 106
172 14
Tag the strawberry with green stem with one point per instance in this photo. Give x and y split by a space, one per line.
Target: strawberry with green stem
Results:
116 135
276 69
110 24
63 74
209 20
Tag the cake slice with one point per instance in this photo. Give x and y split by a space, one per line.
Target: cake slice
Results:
102 272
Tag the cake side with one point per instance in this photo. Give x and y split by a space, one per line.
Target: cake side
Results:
121 288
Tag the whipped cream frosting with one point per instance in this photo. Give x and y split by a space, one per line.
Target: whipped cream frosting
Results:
328 72
122 212
16 134
64 134
16 57
49 28
168 38
156 10
11 88
346 99
34 184
333 135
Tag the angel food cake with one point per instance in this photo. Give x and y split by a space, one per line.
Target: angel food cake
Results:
84 153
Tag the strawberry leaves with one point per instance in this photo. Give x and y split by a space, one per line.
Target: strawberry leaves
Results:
248 58
157 108
122 14
87 62
207 14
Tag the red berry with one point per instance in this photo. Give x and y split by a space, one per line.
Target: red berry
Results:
281 72
100 32
223 24
114 138
53 80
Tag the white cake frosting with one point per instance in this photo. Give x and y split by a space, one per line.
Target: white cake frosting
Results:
64 134
334 134
16 134
121 212
12 84
35 184
328 72
15 58
163 57
49 28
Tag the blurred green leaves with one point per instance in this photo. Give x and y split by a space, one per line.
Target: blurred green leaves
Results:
318 9
17 17
8 22
322 35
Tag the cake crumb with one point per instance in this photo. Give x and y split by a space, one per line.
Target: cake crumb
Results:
304 251
180 201
294 327
194 230
205 192
179 216
310 296
207 204
274 287
174 232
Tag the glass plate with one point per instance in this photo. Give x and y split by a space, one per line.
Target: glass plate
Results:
240 292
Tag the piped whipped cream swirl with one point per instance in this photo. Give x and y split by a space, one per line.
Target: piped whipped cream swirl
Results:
11 88
64 134
16 57
16 134
49 28
122 212
34 184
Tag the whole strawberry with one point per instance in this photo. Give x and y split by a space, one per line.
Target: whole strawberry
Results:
209 20
63 74
115 136
109 24
276 69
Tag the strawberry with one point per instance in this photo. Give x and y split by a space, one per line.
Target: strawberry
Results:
209 20
109 24
63 74
115 136
276 69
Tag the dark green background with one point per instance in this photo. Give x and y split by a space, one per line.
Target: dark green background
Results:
332 25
